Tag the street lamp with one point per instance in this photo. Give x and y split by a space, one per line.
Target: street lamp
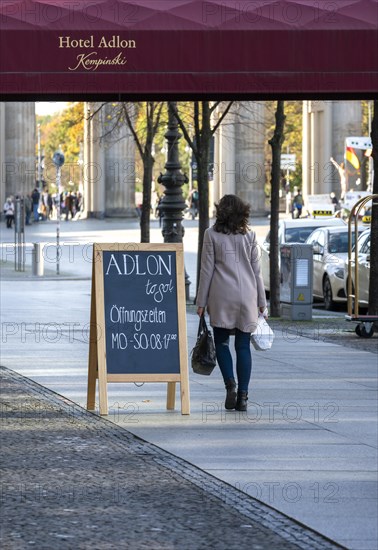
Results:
80 163
173 203
39 157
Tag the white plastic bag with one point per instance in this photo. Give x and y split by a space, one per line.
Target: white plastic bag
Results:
262 338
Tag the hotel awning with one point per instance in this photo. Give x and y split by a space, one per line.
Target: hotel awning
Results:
188 48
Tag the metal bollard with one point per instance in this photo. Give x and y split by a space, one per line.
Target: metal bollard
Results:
37 260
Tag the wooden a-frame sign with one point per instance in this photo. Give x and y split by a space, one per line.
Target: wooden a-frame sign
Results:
138 320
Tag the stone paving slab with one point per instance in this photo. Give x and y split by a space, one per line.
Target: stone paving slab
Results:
74 480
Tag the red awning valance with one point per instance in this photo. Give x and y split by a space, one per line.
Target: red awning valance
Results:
260 48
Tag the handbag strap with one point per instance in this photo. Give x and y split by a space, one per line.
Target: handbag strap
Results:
202 326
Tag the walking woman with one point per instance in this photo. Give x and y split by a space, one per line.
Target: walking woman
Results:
9 212
232 289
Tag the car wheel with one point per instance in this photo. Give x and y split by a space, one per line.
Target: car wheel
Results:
327 294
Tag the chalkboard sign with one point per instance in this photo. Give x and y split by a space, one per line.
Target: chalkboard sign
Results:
138 319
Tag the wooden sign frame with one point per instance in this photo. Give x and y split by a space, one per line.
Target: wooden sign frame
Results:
97 362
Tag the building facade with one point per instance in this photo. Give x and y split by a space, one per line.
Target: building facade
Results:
326 124
239 154
109 165
17 148
239 157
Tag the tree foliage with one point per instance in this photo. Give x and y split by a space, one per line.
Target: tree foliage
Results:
63 130
143 120
292 142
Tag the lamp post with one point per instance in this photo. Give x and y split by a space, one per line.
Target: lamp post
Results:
58 160
39 157
173 203
80 163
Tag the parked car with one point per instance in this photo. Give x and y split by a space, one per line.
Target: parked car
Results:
363 269
330 252
293 231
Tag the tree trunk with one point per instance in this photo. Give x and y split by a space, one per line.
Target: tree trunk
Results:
203 206
202 158
373 281
148 164
274 271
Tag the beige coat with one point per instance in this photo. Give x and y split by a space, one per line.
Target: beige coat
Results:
231 284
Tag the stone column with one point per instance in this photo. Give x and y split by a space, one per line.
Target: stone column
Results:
96 208
19 148
317 169
249 155
224 158
120 171
306 151
227 169
346 122
87 159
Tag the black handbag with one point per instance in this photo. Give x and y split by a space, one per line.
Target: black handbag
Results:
203 353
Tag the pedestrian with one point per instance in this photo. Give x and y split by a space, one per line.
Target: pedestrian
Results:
45 205
62 203
28 208
297 205
76 204
35 199
49 205
335 201
80 203
232 289
42 209
9 212
194 202
69 205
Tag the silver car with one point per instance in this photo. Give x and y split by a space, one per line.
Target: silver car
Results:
363 268
330 247
293 231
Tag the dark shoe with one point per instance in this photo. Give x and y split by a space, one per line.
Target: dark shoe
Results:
241 402
231 394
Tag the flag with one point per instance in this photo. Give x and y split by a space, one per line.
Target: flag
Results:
351 157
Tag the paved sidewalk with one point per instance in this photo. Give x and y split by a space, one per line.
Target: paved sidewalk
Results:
73 480
308 445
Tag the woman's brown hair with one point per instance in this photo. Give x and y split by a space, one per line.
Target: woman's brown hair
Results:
232 215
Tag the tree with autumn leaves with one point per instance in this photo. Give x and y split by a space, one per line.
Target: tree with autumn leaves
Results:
63 130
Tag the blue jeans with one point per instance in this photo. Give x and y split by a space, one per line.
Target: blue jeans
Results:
243 355
35 212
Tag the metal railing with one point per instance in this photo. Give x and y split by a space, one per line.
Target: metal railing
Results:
353 297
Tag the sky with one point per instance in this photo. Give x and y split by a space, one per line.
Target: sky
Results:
49 107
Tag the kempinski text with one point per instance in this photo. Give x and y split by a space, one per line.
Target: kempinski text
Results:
87 62
114 42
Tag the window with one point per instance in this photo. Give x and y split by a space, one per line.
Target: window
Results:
314 237
298 235
365 248
321 239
